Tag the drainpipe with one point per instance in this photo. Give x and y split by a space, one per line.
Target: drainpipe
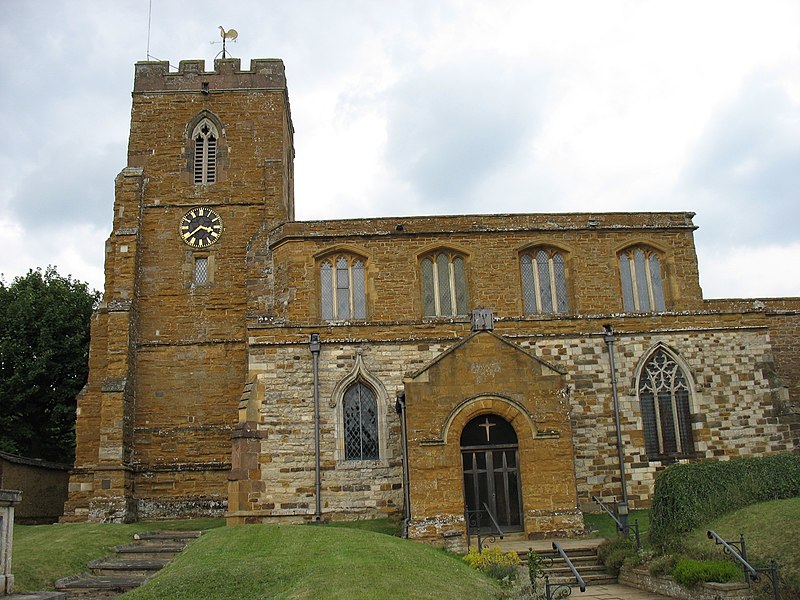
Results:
400 408
314 346
622 507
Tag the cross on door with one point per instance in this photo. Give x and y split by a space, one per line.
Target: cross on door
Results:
487 425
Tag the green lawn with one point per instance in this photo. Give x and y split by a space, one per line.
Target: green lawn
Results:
771 530
300 561
606 528
41 554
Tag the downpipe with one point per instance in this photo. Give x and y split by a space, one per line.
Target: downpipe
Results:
622 507
400 408
314 346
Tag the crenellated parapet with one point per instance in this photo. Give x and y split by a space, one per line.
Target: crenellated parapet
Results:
191 76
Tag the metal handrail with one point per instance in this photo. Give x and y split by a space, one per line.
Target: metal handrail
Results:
610 514
620 526
712 535
560 550
753 572
494 520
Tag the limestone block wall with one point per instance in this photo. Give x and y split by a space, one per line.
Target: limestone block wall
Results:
733 401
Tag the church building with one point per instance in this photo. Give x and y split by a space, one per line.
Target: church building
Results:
447 370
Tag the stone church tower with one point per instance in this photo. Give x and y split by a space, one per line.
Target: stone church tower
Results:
209 164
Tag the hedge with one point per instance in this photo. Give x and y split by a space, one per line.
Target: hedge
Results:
688 495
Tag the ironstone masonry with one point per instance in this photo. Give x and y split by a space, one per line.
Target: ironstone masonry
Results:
200 398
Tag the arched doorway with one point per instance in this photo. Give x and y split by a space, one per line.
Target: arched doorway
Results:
490 461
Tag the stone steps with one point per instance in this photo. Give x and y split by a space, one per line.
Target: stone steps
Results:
129 567
584 559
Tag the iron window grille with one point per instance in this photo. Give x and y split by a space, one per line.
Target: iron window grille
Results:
544 281
201 270
664 399
444 285
360 423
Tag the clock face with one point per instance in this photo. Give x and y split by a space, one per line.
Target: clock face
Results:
200 227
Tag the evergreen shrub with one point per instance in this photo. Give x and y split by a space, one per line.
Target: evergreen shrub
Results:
688 495
613 553
689 572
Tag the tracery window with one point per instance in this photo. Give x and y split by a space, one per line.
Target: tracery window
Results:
360 423
544 281
205 138
642 287
444 285
664 399
343 294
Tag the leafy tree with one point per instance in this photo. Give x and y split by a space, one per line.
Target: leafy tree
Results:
44 362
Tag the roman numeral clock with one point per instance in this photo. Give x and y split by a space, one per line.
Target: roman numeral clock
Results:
200 227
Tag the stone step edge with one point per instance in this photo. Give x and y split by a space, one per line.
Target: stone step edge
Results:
89 581
167 535
141 548
144 564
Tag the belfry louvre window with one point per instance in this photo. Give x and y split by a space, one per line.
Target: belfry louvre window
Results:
664 400
360 423
642 287
544 281
343 294
444 285
205 152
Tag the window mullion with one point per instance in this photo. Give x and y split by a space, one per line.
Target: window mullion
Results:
553 288
634 283
649 283
452 278
436 302
536 285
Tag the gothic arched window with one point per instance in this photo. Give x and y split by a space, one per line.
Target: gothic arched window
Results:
205 138
360 423
444 285
544 281
642 286
664 399
342 289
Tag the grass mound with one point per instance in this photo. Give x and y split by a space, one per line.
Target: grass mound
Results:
44 553
771 530
296 561
688 495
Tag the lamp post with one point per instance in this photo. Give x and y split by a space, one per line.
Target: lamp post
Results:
622 507
314 346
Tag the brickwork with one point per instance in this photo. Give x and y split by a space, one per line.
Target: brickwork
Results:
200 397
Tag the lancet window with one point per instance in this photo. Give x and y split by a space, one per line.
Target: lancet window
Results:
664 396
343 292
642 286
205 138
360 423
544 281
444 285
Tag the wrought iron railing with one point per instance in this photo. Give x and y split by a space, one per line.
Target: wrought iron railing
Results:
559 590
627 531
475 523
739 554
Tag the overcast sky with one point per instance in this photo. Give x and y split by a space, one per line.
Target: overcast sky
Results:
435 107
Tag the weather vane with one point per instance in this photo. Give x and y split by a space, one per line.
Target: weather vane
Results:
231 35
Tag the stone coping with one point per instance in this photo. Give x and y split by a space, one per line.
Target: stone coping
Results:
666 585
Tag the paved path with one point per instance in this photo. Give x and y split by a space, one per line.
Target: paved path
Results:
614 591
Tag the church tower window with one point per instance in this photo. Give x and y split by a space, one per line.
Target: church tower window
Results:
664 399
544 281
342 289
360 423
642 286
205 138
444 285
